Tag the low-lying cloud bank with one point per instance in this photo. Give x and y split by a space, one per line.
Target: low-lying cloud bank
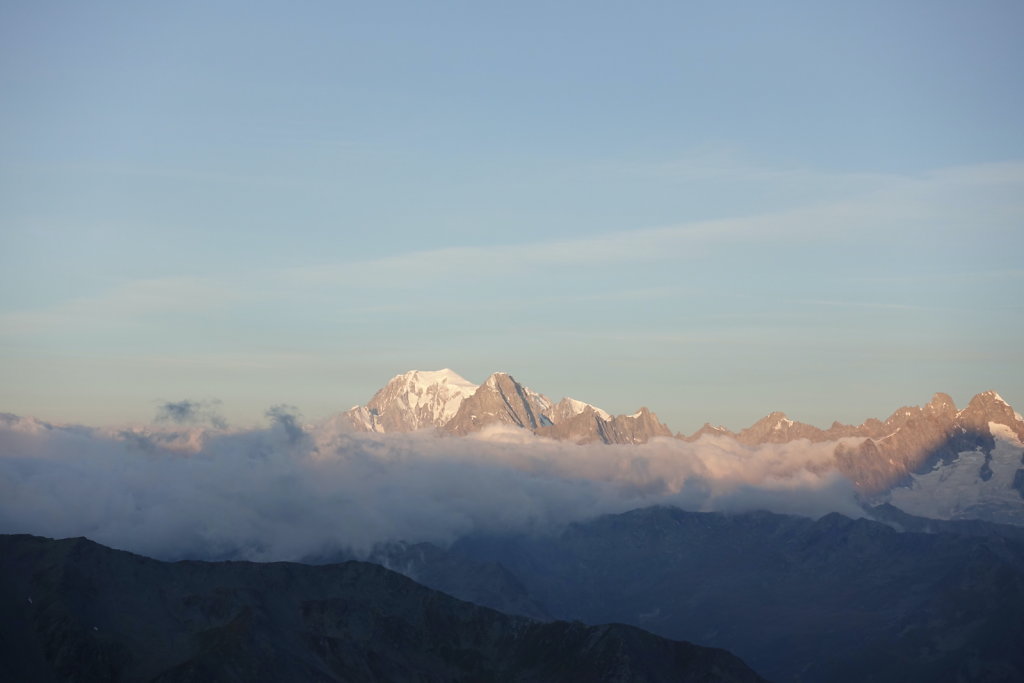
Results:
285 493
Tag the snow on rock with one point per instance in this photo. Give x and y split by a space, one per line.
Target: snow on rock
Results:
577 407
977 485
418 399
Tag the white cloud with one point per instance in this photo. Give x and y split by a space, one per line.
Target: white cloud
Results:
274 494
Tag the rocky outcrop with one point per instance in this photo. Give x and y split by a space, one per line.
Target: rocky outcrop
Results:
590 426
501 399
568 408
639 427
583 427
707 429
777 428
988 407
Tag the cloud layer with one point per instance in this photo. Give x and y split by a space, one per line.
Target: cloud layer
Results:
285 493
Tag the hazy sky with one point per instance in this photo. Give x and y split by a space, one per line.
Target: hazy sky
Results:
715 209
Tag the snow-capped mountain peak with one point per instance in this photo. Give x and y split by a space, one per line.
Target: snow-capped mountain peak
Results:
418 399
440 391
576 407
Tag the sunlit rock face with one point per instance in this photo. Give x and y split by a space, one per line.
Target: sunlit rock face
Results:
443 400
501 399
937 436
886 460
912 441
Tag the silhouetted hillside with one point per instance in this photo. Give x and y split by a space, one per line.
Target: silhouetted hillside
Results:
74 610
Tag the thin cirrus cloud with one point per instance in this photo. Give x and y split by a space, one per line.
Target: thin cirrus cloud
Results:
881 206
935 207
124 304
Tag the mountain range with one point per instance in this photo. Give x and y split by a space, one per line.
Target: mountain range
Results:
74 610
833 599
446 401
926 583
934 460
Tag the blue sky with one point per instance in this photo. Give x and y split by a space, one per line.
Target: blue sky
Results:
716 209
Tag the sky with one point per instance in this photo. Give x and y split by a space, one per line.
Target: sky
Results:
715 209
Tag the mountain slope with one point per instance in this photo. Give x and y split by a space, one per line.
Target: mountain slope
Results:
75 610
443 400
418 399
829 600
501 399
961 463
986 483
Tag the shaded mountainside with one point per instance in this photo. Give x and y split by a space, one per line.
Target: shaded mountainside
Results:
483 583
77 611
902 521
800 600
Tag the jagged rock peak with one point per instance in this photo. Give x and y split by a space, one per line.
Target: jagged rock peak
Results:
568 407
941 404
707 429
988 406
636 428
989 400
504 400
498 378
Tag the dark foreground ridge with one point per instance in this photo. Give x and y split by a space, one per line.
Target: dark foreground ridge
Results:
76 610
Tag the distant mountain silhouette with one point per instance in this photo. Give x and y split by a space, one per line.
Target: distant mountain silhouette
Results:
835 599
73 610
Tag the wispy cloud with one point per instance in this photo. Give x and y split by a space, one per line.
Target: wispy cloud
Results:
935 207
722 164
879 206
125 304
881 305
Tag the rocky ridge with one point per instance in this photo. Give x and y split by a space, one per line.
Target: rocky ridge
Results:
446 401
916 457
879 455
78 611
876 455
